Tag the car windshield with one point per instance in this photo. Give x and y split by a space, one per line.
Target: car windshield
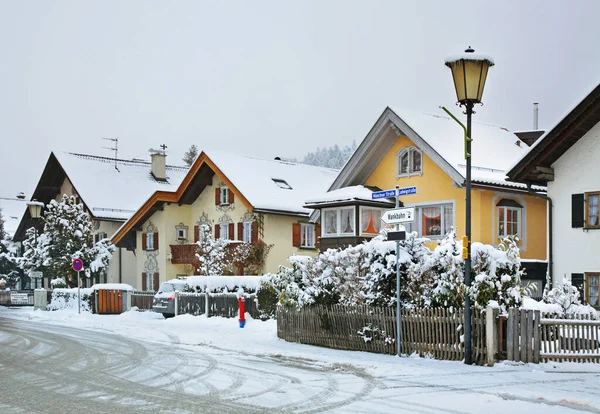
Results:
167 287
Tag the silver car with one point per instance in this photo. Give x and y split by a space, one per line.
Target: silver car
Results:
164 300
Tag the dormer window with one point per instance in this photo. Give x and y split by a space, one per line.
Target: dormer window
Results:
409 162
282 183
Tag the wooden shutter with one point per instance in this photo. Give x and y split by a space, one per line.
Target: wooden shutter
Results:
240 235
231 231
96 238
317 235
144 242
296 239
577 281
577 210
217 196
156 282
144 286
196 232
217 231
155 241
254 232
230 197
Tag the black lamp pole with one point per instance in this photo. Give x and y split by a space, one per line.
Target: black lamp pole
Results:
468 341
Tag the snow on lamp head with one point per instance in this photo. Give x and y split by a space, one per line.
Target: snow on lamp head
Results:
469 72
35 209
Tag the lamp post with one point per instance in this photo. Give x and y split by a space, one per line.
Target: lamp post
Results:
35 211
469 72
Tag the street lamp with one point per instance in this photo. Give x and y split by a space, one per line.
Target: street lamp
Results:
469 72
35 211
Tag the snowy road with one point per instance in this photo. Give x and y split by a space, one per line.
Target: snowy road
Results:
121 366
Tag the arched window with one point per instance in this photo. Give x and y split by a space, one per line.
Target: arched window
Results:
409 162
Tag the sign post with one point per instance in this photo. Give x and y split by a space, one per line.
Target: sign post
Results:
78 267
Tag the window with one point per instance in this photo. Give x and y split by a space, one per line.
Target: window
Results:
149 241
409 162
339 221
224 231
247 232
432 221
330 221
370 220
307 235
591 210
592 280
181 234
282 183
224 199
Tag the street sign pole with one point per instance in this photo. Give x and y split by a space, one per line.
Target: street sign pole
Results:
398 330
78 293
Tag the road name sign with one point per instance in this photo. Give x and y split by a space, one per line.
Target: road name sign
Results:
398 215
35 274
392 193
407 191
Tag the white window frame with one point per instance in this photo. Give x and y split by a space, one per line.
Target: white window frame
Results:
307 234
150 281
338 221
102 235
149 241
519 221
223 196
411 169
224 226
182 234
417 225
247 232
364 208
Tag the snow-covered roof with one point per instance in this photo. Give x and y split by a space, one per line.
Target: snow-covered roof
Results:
274 185
12 211
352 193
494 177
115 191
493 147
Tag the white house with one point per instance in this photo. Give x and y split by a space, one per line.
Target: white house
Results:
566 159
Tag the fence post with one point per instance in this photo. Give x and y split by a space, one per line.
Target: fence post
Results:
510 335
176 303
491 335
206 307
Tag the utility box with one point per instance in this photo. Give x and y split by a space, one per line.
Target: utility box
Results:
40 299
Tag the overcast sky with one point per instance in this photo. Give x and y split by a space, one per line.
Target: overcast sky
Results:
268 78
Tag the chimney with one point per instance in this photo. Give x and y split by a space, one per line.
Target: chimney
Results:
535 116
159 163
21 196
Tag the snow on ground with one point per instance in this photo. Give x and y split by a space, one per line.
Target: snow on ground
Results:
552 387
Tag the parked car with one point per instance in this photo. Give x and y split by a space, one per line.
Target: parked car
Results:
164 300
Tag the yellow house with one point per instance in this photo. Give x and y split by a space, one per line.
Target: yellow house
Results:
424 154
240 198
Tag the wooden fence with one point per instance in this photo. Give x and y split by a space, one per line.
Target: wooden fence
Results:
142 300
219 304
427 332
535 337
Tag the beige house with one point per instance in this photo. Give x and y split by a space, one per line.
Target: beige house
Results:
241 199
110 189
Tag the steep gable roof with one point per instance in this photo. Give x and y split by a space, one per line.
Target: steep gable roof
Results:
535 166
109 189
270 186
494 148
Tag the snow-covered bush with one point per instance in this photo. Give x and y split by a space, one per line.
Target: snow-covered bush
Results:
66 299
566 297
58 283
371 333
446 268
211 253
496 275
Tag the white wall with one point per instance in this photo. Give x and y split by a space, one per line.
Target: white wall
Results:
576 172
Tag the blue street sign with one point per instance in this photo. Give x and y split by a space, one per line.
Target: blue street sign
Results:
392 193
407 191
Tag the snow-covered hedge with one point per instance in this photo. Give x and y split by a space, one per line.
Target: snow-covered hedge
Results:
366 274
220 284
563 300
66 299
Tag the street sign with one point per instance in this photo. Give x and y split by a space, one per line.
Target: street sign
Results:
396 235
383 194
398 215
18 298
35 274
407 191
77 265
392 193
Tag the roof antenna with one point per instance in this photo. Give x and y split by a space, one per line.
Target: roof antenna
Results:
115 149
